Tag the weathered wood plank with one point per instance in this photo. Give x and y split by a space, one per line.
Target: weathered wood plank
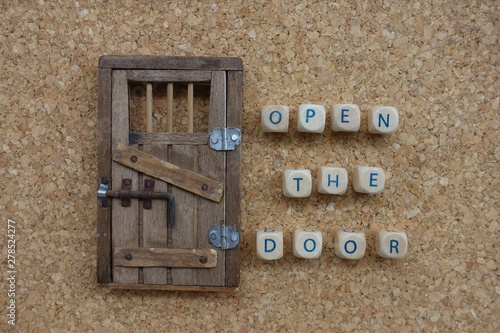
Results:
212 163
233 175
167 287
104 167
125 220
165 257
168 138
154 225
184 232
171 173
169 76
158 62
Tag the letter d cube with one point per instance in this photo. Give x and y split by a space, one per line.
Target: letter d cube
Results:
269 244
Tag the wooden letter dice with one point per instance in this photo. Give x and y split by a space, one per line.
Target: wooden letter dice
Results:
391 243
332 180
307 244
369 180
297 183
311 118
345 118
383 120
350 244
275 118
269 244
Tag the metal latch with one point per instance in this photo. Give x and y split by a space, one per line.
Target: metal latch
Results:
103 193
225 237
225 138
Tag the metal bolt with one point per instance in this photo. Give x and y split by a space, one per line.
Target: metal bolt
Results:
214 139
127 182
234 137
204 187
149 183
203 260
147 204
128 256
104 180
234 238
105 203
133 158
213 236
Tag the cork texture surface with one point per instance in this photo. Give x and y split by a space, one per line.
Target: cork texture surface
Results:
435 61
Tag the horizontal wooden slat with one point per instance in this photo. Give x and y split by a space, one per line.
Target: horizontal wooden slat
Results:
168 172
165 257
169 76
168 138
166 287
158 62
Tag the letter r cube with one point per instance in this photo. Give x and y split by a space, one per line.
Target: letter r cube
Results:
391 244
269 244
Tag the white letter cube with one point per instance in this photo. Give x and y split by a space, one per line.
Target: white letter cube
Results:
307 244
369 180
391 244
297 183
332 180
345 118
350 244
269 244
275 118
311 118
383 120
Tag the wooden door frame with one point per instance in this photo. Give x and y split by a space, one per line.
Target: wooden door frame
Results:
232 192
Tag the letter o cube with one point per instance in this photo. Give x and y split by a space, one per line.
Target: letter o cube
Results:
332 180
269 244
350 244
307 244
345 118
383 120
391 244
369 180
275 118
297 183
311 118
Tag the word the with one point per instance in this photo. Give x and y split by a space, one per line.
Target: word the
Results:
344 118
297 183
349 244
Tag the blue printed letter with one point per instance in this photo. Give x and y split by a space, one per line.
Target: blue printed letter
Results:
373 179
394 245
355 246
313 245
343 116
298 183
266 248
309 114
278 115
336 181
385 121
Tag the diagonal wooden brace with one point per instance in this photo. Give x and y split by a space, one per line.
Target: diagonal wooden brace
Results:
171 173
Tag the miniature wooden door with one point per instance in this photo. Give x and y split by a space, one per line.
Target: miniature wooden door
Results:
169 186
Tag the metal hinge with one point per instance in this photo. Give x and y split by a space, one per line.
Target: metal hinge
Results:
225 237
225 138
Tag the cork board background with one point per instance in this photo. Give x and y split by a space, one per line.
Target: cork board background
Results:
436 61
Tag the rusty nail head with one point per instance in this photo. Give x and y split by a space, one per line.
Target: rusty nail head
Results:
133 158
127 182
204 187
105 203
203 260
104 180
149 183
147 204
128 256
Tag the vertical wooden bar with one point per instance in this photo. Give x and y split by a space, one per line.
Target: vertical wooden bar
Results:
190 108
125 220
212 164
155 229
233 174
104 167
170 107
184 232
149 103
